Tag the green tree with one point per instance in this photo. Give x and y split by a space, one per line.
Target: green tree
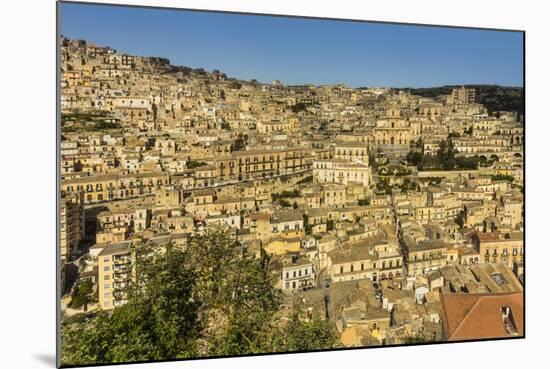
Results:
467 163
298 107
415 158
155 108
316 334
415 340
205 300
502 177
308 228
286 194
249 310
159 321
214 253
239 143
459 220
238 295
82 297
192 164
363 202
87 342
284 203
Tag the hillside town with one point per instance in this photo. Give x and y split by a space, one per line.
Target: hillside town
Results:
397 218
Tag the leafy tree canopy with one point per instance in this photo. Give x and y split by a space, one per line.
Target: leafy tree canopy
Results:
206 299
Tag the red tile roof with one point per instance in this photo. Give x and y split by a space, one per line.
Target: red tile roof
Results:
477 316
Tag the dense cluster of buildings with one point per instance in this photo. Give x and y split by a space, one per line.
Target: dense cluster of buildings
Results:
317 177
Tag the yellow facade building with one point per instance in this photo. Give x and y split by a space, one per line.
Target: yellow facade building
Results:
114 274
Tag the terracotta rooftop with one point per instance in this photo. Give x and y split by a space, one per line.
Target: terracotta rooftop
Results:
478 316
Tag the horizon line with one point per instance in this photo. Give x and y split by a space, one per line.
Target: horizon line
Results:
116 49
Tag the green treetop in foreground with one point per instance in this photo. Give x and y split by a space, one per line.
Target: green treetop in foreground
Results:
202 301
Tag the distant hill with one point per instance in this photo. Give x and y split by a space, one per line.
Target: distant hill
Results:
494 97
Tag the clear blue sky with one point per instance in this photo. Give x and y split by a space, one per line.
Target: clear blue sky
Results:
298 51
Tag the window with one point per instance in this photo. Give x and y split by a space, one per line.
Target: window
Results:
107 286
499 279
106 277
106 268
341 270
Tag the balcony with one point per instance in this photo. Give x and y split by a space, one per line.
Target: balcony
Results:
121 278
120 285
392 267
121 259
120 295
122 269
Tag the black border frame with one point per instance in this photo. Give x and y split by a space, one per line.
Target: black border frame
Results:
58 181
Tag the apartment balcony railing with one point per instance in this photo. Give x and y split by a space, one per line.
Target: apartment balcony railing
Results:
122 269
